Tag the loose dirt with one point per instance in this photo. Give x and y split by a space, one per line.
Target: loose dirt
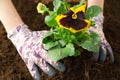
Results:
78 68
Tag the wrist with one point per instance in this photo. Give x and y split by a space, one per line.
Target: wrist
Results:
9 16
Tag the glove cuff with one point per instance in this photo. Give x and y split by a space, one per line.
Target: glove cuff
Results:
17 35
20 28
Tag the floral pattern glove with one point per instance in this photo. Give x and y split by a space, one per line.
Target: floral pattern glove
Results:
105 47
29 46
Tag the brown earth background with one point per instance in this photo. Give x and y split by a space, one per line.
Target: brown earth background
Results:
83 67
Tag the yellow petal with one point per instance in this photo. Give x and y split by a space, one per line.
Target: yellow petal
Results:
88 24
78 9
58 18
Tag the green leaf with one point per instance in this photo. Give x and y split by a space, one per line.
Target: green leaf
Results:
62 43
56 54
47 34
60 6
77 53
59 53
91 42
92 23
73 37
95 38
81 3
46 37
50 45
66 5
63 34
57 4
50 20
93 11
62 9
69 49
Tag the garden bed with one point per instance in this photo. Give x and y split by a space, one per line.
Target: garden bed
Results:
78 68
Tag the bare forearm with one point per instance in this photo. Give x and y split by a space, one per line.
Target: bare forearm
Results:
99 3
8 15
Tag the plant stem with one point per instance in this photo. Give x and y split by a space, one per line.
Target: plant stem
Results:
82 33
49 12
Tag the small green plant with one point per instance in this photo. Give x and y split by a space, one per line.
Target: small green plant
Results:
69 27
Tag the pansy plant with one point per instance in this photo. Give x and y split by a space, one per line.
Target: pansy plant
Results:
69 27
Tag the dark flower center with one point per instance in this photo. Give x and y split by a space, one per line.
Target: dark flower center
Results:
75 21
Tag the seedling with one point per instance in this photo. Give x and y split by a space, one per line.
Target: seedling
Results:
69 28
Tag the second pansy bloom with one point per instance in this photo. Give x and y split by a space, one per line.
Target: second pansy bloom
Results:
74 20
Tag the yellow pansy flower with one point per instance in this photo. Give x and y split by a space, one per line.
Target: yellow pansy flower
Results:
74 20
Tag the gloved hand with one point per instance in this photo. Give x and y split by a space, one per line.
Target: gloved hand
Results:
29 45
105 47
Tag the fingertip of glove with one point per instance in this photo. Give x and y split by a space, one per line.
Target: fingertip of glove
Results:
51 71
110 53
61 67
102 54
36 74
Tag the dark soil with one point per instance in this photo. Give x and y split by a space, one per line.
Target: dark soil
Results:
78 68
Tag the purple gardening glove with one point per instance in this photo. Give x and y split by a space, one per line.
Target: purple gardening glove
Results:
29 45
105 47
